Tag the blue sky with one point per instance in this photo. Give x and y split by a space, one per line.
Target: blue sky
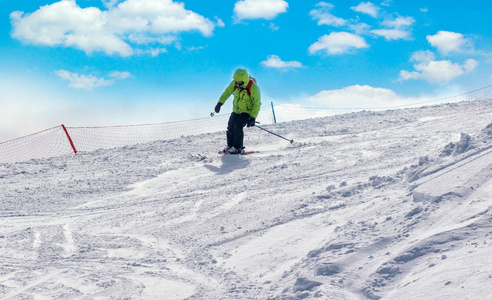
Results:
110 62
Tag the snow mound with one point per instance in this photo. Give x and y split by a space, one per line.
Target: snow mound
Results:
368 205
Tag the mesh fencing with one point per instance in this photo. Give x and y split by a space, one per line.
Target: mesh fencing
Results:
61 140
46 143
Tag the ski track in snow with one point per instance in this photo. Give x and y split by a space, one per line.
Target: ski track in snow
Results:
361 206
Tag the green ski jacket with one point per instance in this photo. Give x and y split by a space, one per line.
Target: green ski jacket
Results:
243 103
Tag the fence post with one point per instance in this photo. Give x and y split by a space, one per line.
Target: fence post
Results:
273 112
69 139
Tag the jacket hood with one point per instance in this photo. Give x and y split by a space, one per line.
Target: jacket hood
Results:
241 75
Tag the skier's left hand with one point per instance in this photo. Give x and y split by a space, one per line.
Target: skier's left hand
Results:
251 122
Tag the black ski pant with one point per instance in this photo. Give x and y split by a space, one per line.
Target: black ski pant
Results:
235 133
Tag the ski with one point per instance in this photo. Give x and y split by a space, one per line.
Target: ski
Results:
245 153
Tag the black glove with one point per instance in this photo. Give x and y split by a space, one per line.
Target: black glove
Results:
251 122
217 107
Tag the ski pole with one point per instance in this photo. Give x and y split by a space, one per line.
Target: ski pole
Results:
291 141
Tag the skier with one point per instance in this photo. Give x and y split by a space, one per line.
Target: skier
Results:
246 106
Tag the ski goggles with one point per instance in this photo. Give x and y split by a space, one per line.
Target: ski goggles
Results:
239 83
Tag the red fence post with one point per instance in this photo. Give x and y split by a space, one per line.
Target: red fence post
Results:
69 139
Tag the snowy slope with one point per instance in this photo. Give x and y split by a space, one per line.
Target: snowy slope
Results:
369 205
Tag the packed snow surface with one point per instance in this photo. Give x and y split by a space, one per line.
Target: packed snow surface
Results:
368 205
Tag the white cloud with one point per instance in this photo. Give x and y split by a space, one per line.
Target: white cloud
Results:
143 39
367 8
259 9
110 3
154 52
359 97
324 17
447 42
274 61
392 28
363 95
399 22
111 31
273 27
356 98
34 99
387 3
436 71
440 71
366 97
359 28
77 81
88 82
120 75
396 29
158 17
338 43
28 101
220 23
470 65
391 34
423 56
291 112
194 48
